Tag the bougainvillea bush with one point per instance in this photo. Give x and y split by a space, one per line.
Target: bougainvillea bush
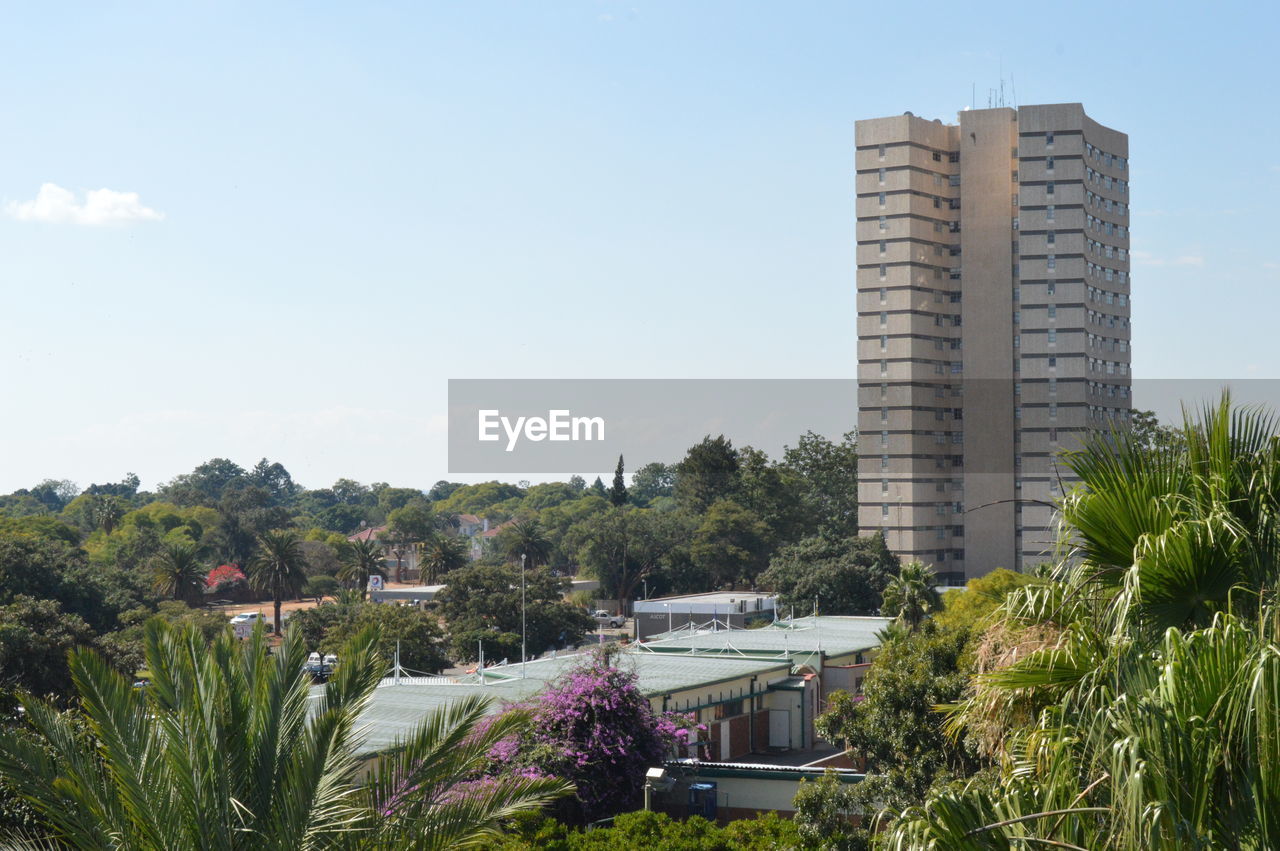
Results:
595 728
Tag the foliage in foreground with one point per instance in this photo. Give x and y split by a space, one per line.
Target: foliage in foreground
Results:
1135 703
229 748
655 831
595 728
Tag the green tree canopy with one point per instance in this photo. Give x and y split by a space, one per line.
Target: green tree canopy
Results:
731 545
844 576
708 472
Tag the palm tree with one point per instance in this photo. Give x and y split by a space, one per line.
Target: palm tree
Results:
360 560
176 571
442 554
279 568
910 595
230 748
1134 701
527 538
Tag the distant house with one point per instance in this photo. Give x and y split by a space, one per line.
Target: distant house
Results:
399 560
479 531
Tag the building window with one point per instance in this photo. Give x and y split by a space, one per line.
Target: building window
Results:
954 156
1050 288
884 486
954 180
884 318
882 199
1053 363
1048 213
937 156
1052 262
1048 163
884 246
882 152
1053 435
1051 237
1053 410
884 510
884 342
884 271
884 293
1048 188
882 173
1053 337
884 223
884 462
1053 311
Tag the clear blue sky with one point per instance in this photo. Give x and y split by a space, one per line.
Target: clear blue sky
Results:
361 201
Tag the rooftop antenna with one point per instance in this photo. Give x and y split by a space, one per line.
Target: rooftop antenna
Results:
1014 87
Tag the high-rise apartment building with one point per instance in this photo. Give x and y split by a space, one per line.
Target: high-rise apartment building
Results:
993 324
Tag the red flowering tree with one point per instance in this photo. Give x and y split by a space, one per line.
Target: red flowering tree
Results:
224 579
595 728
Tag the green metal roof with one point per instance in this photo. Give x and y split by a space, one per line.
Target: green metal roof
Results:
396 709
834 636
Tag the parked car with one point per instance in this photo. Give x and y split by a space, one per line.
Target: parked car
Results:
248 617
321 667
603 618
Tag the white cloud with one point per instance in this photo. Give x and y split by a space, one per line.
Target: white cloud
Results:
100 207
1143 258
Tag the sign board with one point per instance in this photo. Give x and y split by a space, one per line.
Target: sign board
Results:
375 583
243 629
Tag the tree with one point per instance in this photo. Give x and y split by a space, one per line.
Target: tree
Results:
526 538
442 554
824 811
618 493
1148 433
773 493
441 490
842 576
594 727
275 480
361 559
408 526
732 544
417 633
597 487
320 586
177 571
651 481
894 729
259 762
35 636
482 602
279 568
626 547
1133 700
910 595
829 472
709 472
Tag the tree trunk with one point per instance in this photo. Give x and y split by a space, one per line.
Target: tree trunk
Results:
277 604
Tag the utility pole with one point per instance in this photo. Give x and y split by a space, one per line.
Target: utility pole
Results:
524 653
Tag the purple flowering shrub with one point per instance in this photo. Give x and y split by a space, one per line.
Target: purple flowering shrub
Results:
595 728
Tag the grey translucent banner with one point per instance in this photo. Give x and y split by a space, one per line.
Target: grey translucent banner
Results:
563 426
580 425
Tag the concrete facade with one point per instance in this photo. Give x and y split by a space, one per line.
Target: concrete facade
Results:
993 286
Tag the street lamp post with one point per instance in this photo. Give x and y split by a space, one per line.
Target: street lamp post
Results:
524 653
667 606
